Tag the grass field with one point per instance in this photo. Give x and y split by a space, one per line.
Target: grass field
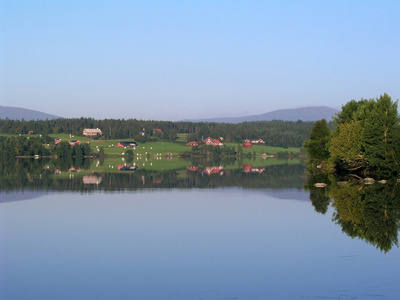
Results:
155 149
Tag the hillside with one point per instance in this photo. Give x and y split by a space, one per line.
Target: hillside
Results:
17 113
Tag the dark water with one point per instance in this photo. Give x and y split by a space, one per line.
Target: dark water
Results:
186 240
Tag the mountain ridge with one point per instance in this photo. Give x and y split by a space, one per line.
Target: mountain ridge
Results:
310 113
19 113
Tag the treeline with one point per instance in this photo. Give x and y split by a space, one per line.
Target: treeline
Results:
274 133
35 146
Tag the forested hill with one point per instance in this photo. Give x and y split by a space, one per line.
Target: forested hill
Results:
274 133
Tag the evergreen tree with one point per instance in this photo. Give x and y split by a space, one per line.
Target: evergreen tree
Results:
316 147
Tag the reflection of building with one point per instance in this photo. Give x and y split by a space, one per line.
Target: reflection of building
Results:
213 170
127 168
91 179
91 132
248 168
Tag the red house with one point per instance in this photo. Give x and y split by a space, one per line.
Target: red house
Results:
192 168
213 142
74 142
193 143
247 145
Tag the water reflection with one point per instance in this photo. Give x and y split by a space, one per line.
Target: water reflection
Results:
368 212
88 176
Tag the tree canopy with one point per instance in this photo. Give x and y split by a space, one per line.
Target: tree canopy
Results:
366 138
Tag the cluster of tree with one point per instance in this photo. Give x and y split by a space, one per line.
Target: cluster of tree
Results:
22 146
275 133
32 146
366 139
64 149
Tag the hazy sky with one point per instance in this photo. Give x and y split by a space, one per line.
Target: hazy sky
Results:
172 60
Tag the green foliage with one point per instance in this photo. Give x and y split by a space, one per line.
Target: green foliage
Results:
346 144
367 138
370 213
381 132
316 147
22 146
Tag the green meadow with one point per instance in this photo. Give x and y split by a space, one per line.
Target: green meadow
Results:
159 148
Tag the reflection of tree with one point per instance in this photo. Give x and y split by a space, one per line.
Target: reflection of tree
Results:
318 196
14 175
320 200
371 213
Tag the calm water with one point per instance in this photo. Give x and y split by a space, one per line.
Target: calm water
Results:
184 243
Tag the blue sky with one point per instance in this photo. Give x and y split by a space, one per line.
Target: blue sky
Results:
173 60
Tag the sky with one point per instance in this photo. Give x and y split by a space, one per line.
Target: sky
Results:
175 60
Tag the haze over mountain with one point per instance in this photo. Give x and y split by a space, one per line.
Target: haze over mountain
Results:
304 114
18 113
313 113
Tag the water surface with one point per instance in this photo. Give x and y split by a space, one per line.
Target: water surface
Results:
212 243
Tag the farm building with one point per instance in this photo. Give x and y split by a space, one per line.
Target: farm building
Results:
193 143
259 141
247 145
74 142
91 132
213 142
128 144
193 168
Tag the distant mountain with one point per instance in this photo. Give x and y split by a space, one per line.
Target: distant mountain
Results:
304 114
17 113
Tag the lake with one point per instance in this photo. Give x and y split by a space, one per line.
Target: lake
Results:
196 234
